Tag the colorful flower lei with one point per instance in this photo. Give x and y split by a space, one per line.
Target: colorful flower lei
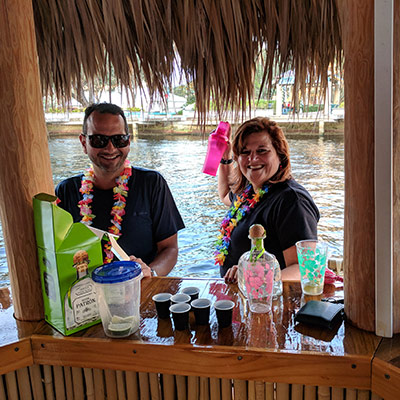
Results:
118 209
241 206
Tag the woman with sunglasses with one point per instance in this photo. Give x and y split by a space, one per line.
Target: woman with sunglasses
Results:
260 189
112 195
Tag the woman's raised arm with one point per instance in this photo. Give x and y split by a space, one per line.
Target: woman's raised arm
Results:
225 175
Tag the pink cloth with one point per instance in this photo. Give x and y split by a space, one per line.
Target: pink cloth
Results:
331 277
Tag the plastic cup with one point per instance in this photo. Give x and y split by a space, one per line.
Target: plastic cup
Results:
312 256
192 291
118 297
223 309
180 298
201 308
180 315
162 302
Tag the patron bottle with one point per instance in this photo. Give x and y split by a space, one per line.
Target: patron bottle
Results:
80 303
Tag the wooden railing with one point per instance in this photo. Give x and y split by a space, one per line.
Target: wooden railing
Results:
157 363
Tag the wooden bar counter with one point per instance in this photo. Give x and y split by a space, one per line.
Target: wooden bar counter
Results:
260 349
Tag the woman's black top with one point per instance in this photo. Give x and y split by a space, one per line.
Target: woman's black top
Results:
288 214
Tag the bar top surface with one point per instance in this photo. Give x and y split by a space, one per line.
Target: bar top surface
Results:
275 331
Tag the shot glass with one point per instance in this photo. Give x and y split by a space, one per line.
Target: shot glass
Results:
192 291
180 315
312 256
180 298
162 302
223 309
201 308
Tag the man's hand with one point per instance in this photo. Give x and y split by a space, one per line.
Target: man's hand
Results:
167 254
231 275
147 273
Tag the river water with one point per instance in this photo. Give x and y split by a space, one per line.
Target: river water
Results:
317 163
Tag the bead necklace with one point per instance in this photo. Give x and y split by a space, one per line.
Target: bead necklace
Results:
241 206
118 209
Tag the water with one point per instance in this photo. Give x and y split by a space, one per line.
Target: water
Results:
317 163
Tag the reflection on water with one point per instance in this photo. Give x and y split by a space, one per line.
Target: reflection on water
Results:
317 163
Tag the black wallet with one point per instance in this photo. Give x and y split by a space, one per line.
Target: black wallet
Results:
319 313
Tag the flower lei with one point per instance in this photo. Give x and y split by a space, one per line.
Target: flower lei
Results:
241 206
118 209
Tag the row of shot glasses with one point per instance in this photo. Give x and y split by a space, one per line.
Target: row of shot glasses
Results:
180 304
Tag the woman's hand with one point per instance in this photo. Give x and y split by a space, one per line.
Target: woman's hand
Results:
228 152
231 275
147 273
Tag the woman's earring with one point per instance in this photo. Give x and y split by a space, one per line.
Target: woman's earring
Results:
280 166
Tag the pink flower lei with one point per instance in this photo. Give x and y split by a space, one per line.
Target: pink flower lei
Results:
118 209
240 208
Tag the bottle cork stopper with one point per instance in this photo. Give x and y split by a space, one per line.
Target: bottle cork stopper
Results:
80 256
256 231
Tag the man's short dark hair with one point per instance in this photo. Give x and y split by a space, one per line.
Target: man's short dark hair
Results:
104 108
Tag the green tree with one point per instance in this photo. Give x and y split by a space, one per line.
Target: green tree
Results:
186 91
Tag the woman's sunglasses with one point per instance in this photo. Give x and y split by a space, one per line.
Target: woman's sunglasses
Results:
101 141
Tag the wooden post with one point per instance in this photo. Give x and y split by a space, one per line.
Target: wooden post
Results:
396 168
24 155
383 84
359 226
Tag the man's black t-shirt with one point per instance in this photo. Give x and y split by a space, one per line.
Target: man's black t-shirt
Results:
288 214
150 213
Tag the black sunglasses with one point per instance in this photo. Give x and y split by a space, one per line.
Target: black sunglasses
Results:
101 141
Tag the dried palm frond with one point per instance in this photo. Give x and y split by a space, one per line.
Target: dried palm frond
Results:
216 44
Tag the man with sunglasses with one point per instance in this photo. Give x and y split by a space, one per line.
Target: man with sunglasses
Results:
112 195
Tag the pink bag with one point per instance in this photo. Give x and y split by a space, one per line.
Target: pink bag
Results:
216 146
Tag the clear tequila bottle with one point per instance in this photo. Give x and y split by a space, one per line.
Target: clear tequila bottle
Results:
258 253
80 302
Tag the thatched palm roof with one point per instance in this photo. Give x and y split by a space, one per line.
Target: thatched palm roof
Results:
216 43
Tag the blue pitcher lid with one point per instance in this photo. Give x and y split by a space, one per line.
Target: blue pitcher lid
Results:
115 272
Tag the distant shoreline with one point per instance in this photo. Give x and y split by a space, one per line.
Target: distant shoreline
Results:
155 128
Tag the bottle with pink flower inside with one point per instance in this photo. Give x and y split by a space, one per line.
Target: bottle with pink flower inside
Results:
256 272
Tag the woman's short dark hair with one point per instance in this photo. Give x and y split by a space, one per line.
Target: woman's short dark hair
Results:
104 108
278 140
